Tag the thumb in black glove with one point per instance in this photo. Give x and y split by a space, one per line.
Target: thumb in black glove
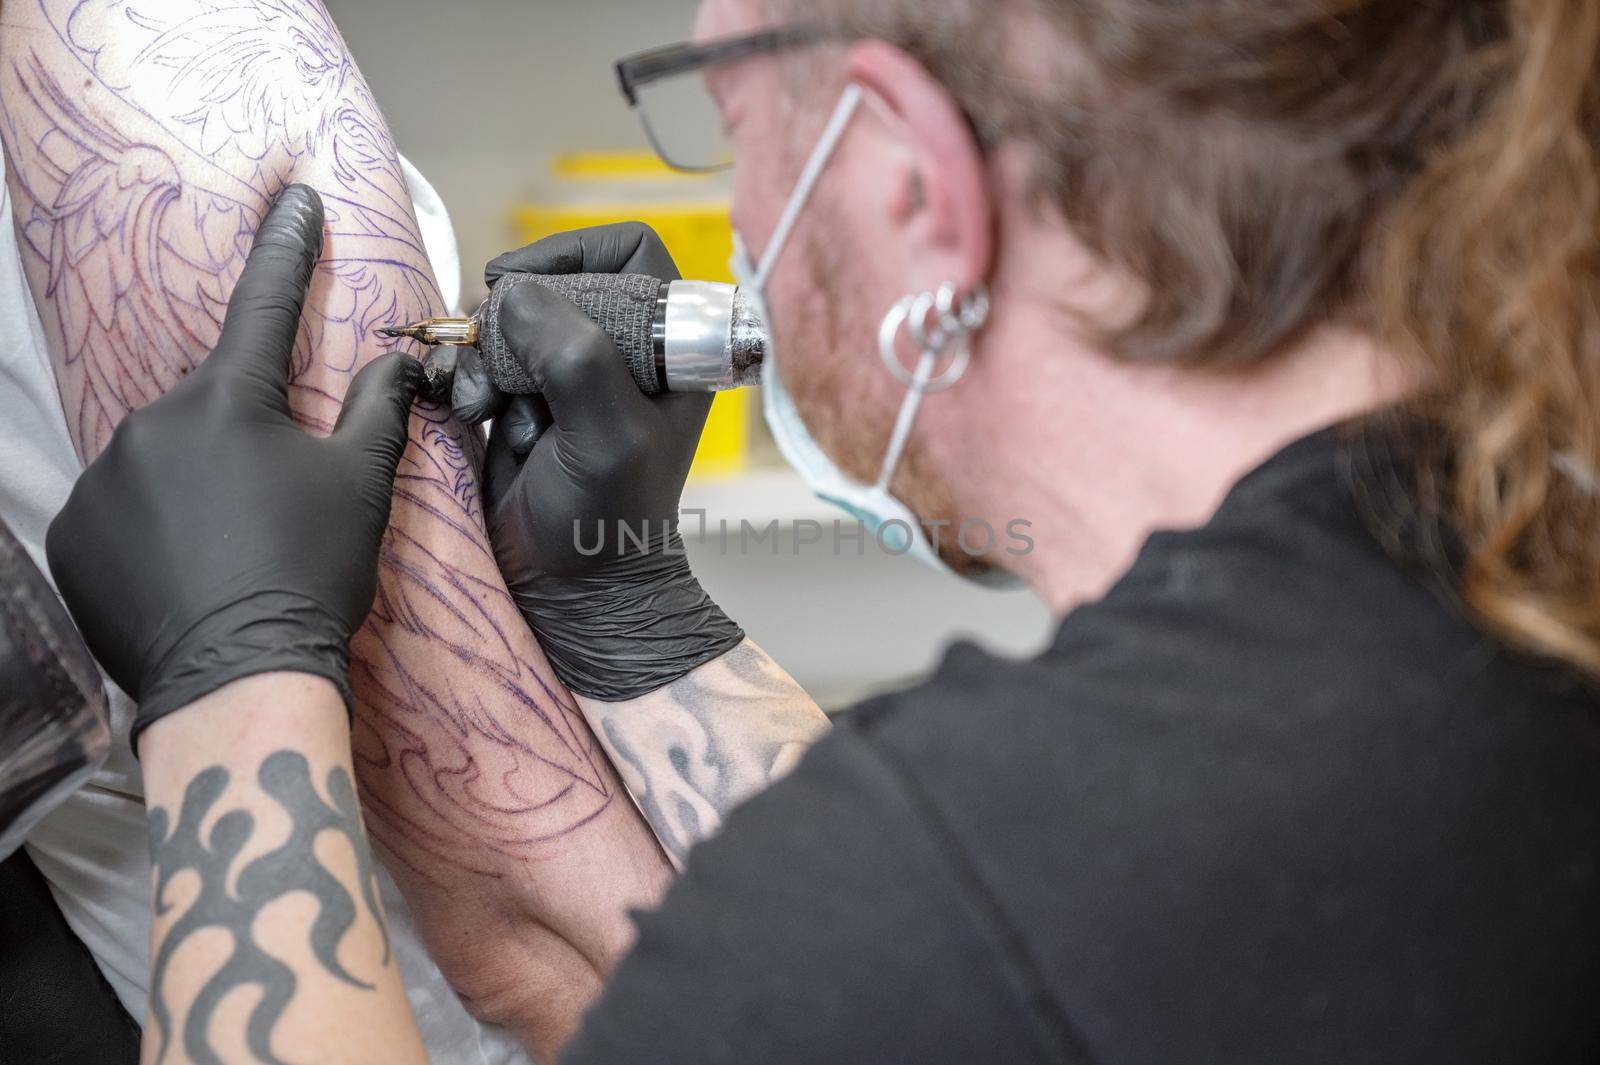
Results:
214 540
593 460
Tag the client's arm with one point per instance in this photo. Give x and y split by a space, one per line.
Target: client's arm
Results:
263 881
144 141
181 558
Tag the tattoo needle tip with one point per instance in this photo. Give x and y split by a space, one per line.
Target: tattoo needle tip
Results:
434 331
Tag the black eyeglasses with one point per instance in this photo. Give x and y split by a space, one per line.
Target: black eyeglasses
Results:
667 87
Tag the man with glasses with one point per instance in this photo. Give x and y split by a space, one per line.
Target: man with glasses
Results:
1276 792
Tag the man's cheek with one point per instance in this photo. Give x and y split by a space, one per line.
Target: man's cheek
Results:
756 200
828 359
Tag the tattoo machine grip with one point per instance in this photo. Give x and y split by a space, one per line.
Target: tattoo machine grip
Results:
624 305
678 336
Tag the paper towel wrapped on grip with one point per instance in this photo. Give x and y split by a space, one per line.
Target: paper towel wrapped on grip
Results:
677 336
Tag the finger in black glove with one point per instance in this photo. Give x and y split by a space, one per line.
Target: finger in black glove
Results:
214 540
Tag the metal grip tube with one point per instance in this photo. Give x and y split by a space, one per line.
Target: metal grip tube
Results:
711 338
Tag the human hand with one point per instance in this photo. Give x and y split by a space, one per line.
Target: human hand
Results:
214 539
588 458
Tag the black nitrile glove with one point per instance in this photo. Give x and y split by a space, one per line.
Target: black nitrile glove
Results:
214 540
592 460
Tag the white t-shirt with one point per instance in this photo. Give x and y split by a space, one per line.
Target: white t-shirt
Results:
93 849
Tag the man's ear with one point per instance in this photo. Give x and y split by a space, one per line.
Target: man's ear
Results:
942 196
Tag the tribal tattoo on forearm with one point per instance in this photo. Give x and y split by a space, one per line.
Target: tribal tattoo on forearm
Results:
145 140
206 844
697 748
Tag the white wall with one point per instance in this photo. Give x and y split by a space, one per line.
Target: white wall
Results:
480 93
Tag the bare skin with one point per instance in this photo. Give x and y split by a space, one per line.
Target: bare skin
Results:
144 142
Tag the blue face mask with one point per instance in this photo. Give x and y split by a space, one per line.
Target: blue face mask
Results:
894 524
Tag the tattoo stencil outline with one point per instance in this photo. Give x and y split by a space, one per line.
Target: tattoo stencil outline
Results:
144 143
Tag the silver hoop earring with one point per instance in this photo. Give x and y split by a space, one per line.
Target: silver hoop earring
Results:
968 315
938 324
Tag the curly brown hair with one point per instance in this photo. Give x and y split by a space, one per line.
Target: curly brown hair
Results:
1427 170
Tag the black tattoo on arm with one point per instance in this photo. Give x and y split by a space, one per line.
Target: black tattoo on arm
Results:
694 750
231 901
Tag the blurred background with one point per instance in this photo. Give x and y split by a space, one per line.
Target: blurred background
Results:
516 118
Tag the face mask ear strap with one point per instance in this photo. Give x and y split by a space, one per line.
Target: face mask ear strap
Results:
951 333
827 144
888 351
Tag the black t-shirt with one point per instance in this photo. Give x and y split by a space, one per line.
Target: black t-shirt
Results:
1272 800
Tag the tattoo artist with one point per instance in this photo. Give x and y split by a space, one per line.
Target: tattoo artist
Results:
1308 773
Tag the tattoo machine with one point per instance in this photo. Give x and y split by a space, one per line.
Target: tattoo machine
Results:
675 336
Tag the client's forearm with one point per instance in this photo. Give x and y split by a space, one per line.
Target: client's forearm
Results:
263 882
692 751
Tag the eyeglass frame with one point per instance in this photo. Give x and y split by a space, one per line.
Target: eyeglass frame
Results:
636 71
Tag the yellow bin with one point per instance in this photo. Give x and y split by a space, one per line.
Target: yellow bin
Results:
600 188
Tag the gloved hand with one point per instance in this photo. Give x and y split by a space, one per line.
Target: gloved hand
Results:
594 460
214 540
